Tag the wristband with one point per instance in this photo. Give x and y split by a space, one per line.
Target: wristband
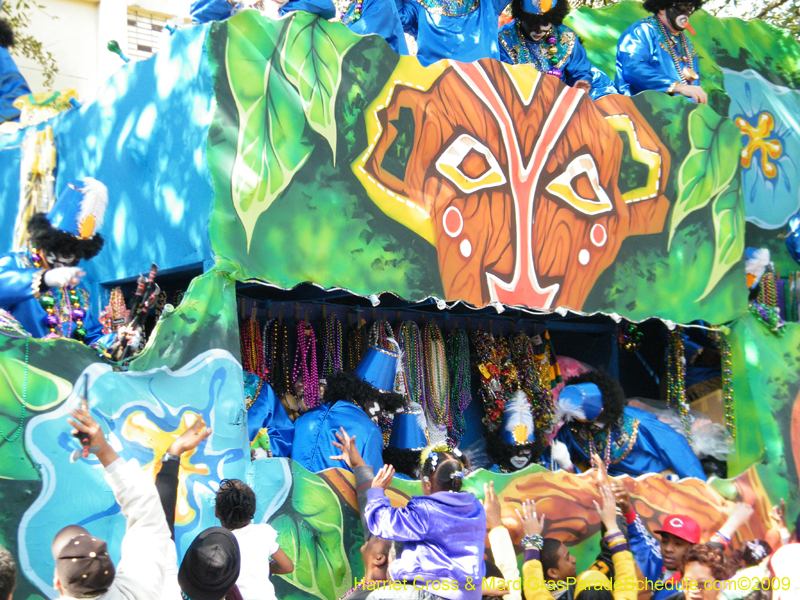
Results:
168 457
529 542
721 539
671 89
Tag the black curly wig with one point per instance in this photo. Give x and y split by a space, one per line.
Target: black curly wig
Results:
349 386
46 238
614 400
501 452
655 6
403 461
6 34
531 22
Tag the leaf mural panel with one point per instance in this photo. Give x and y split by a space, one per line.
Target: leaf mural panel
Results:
312 61
710 165
728 218
311 531
271 145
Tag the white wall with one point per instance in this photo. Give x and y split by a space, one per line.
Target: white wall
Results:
77 32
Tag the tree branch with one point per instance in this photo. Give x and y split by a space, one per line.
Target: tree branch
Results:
769 8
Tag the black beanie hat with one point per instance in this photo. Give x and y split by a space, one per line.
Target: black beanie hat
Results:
210 566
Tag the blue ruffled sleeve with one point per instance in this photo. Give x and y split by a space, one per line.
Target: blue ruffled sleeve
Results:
638 64
407 11
12 86
16 283
408 524
379 17
601 85
323 8
577 68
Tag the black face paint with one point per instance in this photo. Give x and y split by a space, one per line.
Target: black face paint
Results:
672 16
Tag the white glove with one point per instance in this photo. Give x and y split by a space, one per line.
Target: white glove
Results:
560 454
134 336
63 276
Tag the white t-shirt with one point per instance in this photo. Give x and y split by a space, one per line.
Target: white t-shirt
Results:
257 542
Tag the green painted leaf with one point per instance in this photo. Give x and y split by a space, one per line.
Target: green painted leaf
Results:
312 61
271 145
728 217
311 531
710 165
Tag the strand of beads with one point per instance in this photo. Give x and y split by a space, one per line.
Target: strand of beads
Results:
460 383
268 351
727 384
10 327
410 341
305 364
279 367
437 382
668 43
252 348
766 306
21 425
676 379
332 346
379 335
356 341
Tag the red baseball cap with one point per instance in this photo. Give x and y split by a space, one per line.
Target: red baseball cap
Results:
681 526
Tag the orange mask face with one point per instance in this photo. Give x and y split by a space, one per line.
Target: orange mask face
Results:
513 177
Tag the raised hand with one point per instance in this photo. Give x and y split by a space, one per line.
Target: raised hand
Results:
350 454
384 477
622 496
600 475
83 422
492 506
607 509
531 525
191 438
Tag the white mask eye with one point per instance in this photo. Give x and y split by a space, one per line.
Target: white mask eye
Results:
579 186
470 165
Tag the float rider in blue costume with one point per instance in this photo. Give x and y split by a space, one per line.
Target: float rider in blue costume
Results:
537 36
353 401
656 54
378 17
462 30
12 83
40 286
595 411
206 11
267 420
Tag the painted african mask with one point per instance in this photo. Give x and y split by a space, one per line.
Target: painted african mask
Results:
513 177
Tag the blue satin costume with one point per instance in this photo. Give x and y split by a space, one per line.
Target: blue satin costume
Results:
378 17
443 537
462 30
206 11
17 297
574 64
643 63
314 434
644 445
12 86
266 411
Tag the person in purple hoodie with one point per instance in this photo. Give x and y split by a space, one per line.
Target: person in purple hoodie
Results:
443 532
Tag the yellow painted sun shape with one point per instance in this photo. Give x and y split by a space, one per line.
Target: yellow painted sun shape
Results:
139 429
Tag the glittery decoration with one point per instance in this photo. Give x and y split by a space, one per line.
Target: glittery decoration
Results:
727 385
676 379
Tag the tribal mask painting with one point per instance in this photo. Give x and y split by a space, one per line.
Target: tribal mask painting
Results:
513 177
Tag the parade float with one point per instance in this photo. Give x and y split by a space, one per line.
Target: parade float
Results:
289 170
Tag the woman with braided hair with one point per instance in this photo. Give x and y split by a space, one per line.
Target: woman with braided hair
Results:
443 531
258 542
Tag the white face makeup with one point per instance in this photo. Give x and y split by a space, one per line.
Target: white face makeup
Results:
521 459
543 31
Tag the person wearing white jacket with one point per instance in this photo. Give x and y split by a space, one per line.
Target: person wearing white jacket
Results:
83 566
